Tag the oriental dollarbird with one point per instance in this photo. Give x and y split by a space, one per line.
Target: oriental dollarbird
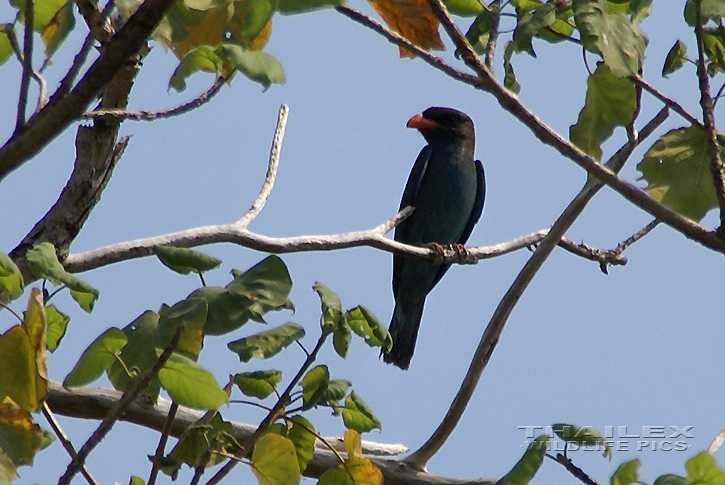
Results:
447 189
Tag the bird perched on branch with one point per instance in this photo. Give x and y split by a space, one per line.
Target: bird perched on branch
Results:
447 189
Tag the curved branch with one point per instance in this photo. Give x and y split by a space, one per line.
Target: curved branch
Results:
95 403
485 81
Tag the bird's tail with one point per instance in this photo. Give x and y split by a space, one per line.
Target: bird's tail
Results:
404 331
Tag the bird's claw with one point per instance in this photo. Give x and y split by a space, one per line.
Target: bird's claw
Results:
456 252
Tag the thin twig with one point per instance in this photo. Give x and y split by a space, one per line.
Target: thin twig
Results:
575 470
717 442
712 146
27 63
161 448
674 105
495 11
126 400
63 438
636 236
145 115
273 413
269 178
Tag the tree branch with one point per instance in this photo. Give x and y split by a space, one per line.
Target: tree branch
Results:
46 124
63 438
95 403
27 62
510 102
712 146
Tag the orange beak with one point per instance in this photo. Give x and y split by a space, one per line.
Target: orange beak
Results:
421 123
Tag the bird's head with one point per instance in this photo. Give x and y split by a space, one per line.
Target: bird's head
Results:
442 124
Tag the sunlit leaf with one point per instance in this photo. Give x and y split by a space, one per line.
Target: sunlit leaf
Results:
11 280
57 325
250 17
274 461
626 473
610 102
256 65
259 383
200 59
18 368
677 171
6 48
524 470
314 384
190 28
614 35
138 355
189 384
185 260
302 435
44 264
509 77
583 435
43 11
356 470
367 326
675 58
190 315
57 29
97 358
21 438
358 416
268 343
301 6
466 8
413 19
702 469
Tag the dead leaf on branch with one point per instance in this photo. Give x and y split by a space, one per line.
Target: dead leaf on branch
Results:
413 19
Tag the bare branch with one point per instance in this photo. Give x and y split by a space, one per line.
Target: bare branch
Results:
674 105
97 19
27 62
269 178
493 35
712 146
636 236
63 438
61 110
95 403
146 115
717 442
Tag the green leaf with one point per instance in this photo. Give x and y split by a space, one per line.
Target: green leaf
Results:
626 473
530 23
190 315
302 6
524 470
189 384
18 368
479 32
203 58
328 298
367 326
341 338
266 344
44 264
57 325
11 280
677 171
184 260
702 469
97 358
250 17
314 384
209 434
583 435
670 479
55 31
266 285
138 355
335 391
620 41
260 383
274 461
714 50
136 480
509 79
639 10
256 65
610 102
358 416
43 11
302 435
6 48
332 317
226 310
675 58
21 439
709 10
465 8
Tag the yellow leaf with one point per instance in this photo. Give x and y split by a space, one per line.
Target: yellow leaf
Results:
362 470
17 368
274 461
35 324
210 31
413 19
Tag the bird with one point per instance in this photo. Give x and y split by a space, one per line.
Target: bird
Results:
447 188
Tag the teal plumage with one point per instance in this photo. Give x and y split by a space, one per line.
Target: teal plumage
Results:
447 188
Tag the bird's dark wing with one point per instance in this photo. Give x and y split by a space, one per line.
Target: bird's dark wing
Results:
472 219
478 206
410 195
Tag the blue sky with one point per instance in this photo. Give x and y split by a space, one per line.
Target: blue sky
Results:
638 347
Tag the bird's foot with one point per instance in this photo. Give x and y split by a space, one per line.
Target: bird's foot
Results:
440 252
461 255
